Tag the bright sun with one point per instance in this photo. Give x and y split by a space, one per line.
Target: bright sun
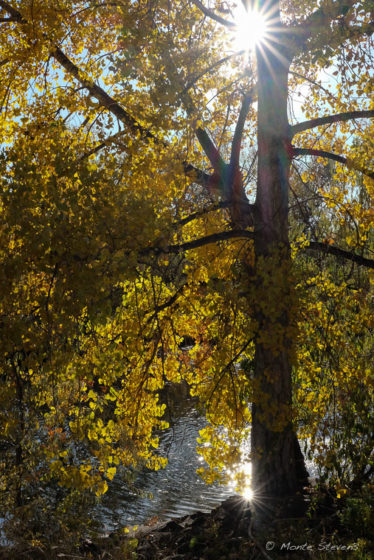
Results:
247 494
251 29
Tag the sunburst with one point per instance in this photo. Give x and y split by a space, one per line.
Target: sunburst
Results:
251 28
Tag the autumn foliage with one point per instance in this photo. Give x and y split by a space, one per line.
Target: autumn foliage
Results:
128 182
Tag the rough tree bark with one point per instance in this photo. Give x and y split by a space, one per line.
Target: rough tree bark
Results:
278 465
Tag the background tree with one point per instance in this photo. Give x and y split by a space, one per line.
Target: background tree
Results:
146 179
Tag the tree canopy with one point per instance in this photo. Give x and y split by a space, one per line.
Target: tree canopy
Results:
173 209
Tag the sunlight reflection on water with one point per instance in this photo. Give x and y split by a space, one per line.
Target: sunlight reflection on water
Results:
176 490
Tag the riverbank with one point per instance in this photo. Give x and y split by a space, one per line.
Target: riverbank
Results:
227 533
331 530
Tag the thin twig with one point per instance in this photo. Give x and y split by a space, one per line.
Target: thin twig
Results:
334 157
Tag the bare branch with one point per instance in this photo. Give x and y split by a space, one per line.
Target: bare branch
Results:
15 14
248 209
327 12
322 153
238 134
200 242
212 15
206 142
116 109
196 175
202 212
102 145
210 150
312 82
339 117
337 252
96 91
168 303
105 100
210 69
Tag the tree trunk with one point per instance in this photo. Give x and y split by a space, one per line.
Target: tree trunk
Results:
278 464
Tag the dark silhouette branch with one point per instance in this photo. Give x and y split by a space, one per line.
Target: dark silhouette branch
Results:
195 174
106 100
200 242
202 212
212 15
95 91
321 247
137 129
339 117
319 19
209 239
334 157
102 145
210 149
168 303
250 209
15 14
329 12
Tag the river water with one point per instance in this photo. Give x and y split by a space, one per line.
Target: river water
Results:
171 492
168 493
176 490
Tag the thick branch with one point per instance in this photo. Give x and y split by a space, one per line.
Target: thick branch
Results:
95 90
105 99
321 18
248 209
207 144
238 134
212 15
168 303
210 150
200 213
116 109
198 176
16 16
200 242
337 252
335 157
311 33
339 117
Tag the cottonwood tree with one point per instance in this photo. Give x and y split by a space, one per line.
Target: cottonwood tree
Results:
148 173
